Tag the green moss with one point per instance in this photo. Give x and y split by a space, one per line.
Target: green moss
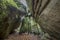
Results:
12 3
4 27
29 2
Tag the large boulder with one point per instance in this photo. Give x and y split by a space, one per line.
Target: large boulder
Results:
10 17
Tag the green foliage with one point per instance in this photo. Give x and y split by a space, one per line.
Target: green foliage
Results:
7 23
12 3
29 25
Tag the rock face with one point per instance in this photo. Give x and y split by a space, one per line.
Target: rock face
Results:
10 18
49 18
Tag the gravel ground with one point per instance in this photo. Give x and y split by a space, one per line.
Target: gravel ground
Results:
23 36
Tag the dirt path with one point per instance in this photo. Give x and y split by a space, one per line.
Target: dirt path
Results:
23 37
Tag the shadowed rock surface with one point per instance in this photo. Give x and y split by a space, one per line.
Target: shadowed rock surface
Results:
49 18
